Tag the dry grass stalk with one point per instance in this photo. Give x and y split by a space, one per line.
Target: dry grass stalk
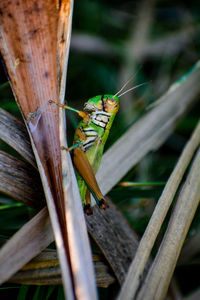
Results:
29 241
20 180
44 269
34 45
157 282
15 134
137 268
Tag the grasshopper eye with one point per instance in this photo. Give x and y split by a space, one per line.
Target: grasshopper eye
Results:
111 102
111 105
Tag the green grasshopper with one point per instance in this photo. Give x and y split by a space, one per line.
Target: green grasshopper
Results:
89 140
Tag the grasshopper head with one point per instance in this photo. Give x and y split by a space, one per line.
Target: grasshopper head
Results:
108 103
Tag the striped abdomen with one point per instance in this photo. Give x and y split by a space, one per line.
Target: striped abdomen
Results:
99 119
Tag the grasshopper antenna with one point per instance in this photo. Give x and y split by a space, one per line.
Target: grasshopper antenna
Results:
133 88
127 82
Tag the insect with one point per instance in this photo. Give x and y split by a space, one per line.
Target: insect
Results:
89 140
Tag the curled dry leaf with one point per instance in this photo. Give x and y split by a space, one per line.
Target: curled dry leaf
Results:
14 133
138 267
44 269
29 241
157 282
29 47
21 181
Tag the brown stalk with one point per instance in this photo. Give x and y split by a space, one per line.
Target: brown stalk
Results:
14 133
44 269
34 59
139 264
21 181
33 236
157 282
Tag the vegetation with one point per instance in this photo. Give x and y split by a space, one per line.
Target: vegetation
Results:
111 40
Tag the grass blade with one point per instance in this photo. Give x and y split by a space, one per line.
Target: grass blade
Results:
14 133
138 265
20 180
157 281
29 241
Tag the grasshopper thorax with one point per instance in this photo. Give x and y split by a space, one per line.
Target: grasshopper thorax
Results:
107 103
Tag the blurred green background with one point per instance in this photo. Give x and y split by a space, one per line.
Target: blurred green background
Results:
112 40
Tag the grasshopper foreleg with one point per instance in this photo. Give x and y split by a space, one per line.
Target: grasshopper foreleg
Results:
72 147
82 114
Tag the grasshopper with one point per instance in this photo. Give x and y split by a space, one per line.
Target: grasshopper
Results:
89 140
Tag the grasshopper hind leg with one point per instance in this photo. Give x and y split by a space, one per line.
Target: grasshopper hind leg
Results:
87 205
103 204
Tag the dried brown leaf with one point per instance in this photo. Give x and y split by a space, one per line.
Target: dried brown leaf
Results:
29 46
14 133
138 266
29 241
21 181
45 269
157 282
